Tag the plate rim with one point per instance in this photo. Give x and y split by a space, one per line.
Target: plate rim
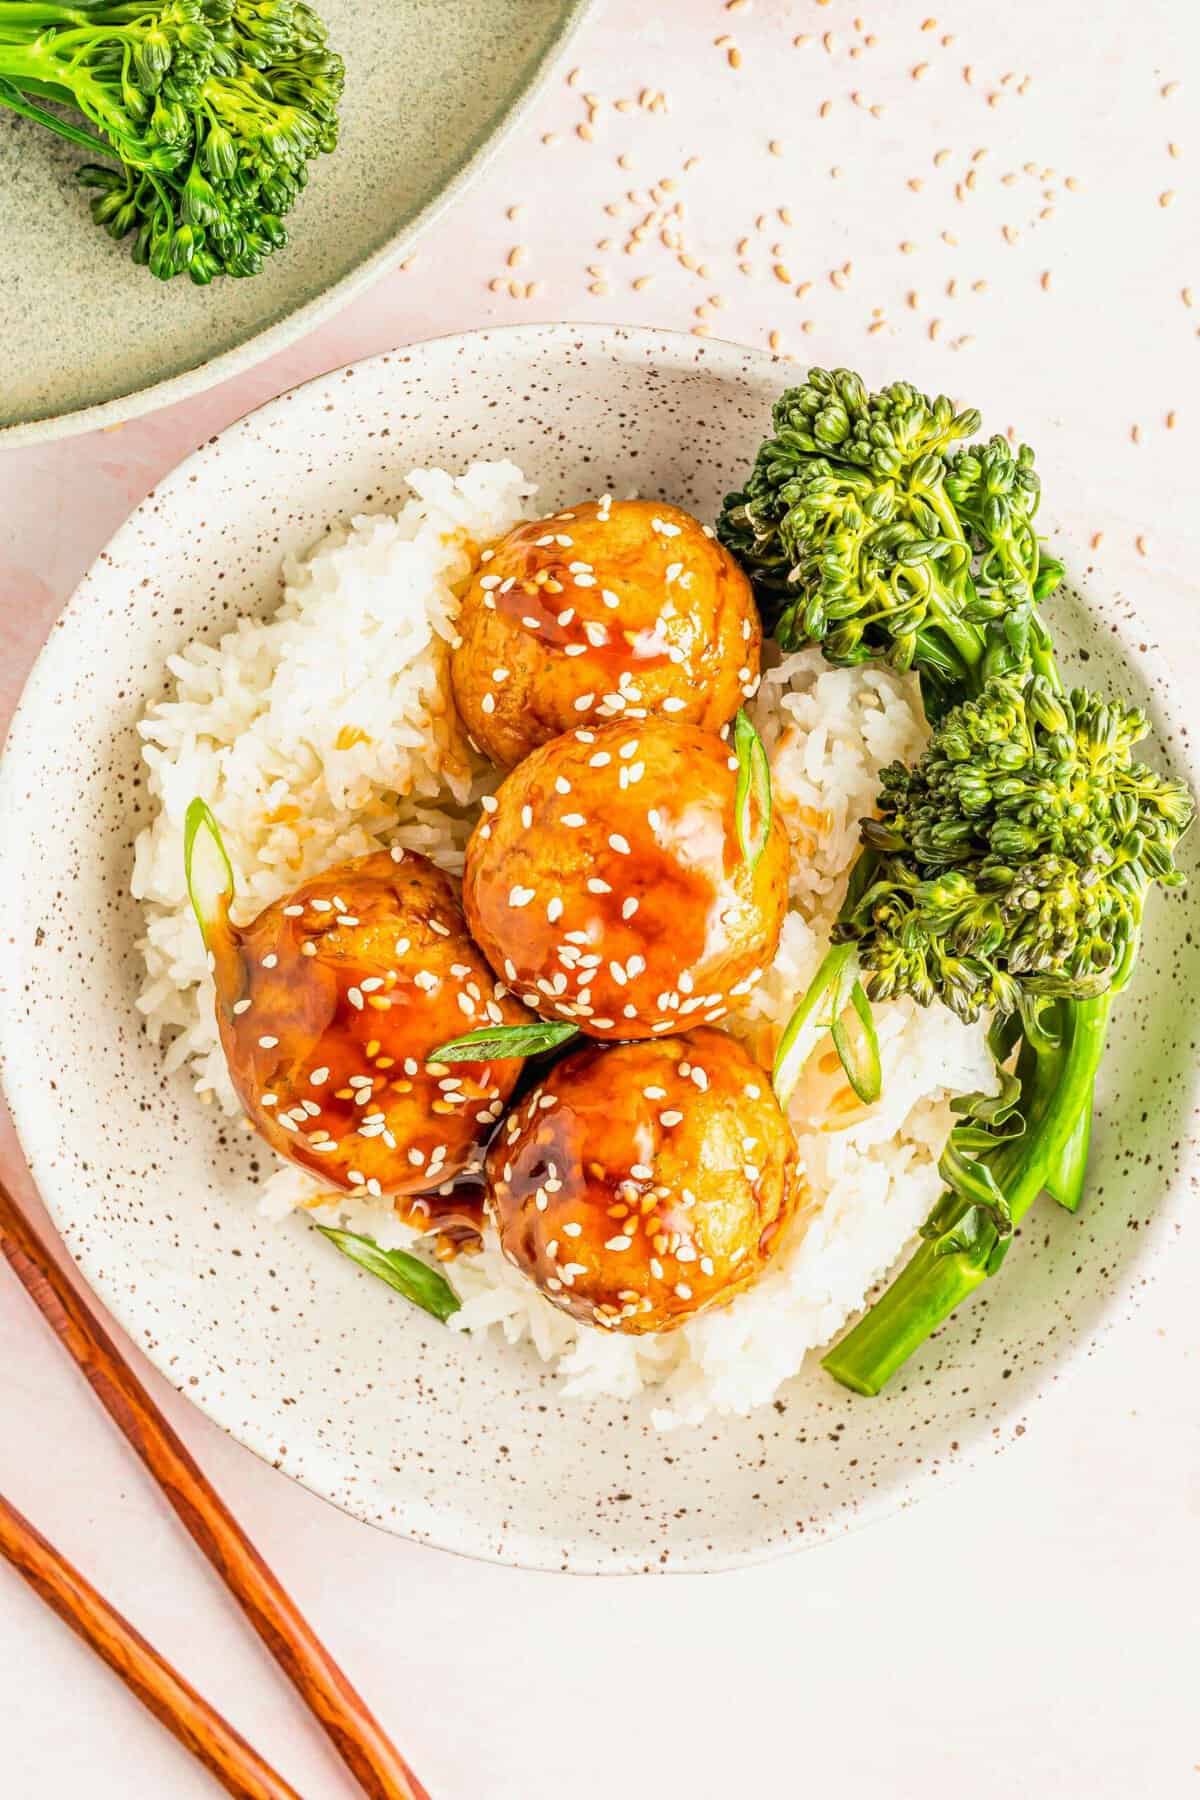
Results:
300 321
987 1436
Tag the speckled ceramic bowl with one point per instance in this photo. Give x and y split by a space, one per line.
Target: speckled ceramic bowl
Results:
464 1442
90 339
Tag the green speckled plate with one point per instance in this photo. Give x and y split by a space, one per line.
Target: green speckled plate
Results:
89 339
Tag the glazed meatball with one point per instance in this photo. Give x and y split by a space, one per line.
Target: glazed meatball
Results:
607 885
639 1184
328 1006
610 609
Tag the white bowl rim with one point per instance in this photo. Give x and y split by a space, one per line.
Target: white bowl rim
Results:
980 1440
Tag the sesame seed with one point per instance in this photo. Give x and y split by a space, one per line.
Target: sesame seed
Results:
319 1077
618 1243
268 1043
292 912
574 820
241 1006
641 1172
683 1291
619 844
670 1118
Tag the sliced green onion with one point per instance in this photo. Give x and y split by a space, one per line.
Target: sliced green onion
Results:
859 1051
753 792
206 867
424 1286
803 1031
498 1043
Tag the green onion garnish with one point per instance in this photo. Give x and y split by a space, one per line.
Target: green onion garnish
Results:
499 1043
858 1051
206 867
753 793
424 1286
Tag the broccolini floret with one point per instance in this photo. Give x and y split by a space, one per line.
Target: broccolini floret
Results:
863 531
1006 872
1014 859
211 111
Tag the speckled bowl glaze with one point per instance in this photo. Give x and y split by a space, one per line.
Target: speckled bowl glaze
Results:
90 339
455 1441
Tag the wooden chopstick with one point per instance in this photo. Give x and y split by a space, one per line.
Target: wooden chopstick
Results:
360 1741
173 1701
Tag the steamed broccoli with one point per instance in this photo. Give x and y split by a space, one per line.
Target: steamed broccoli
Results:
1007 871
211 110
862 531
1014 859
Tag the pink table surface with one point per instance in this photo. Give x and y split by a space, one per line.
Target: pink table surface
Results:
1001 202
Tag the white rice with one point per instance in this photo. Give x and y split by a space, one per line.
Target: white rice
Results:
328 730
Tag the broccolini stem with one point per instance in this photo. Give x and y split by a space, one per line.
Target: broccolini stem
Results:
940 1275
74 134
22 62
1041 654
1064 1183
966 639
934 496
